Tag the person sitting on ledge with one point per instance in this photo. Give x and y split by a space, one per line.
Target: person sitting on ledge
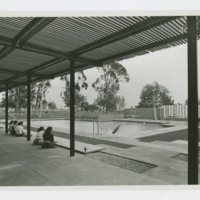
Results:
20 130
39 137
15 126
11 128
48 139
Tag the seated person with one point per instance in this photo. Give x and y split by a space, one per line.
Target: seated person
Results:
15 126
48 139
20 130
11 128
39 137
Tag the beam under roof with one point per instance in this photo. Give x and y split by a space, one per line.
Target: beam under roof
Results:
35 26
15 72
19 40
25 34
131 30
132 51
8 42
29 32
119 35
145 47
110 58
37 68
13 83
55 53
64 72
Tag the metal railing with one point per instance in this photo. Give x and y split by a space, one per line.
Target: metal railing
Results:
98 128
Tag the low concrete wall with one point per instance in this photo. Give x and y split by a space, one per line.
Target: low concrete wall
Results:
141 113
110 116
86 115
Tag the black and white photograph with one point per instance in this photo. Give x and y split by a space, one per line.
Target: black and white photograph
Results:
99 99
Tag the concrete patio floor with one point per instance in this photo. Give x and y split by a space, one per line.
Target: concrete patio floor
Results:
23 164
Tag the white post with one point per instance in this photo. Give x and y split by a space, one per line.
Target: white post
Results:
155 113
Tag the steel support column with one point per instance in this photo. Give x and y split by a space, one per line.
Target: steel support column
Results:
6 110
29 107
192 101
72 108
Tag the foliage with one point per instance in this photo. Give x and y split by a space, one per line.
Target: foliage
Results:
80 83
52 105
81 101
41 89
154 94
107 102
107 85
92 107
17 97
121 103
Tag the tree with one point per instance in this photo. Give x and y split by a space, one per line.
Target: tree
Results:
121 103
44 86
80 100
52 105
154 94
39 91
107 102
92 107
107 85
11 100
16 98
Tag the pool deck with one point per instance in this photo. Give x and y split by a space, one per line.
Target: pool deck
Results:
23 164
150 121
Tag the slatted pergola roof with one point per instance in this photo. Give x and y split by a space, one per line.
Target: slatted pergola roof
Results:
43 47
34 49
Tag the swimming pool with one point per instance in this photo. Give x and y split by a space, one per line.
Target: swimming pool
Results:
106 129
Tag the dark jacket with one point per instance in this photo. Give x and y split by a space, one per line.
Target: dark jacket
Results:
47 136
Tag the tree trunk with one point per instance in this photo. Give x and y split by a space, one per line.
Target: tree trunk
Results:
17 100
20 109
41 100
106 108
37 99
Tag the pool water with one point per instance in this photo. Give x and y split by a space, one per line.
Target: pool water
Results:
108 129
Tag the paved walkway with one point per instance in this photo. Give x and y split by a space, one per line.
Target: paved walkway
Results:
23 164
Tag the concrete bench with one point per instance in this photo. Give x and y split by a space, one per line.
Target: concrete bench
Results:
79 146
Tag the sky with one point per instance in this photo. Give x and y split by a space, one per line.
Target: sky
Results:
168 67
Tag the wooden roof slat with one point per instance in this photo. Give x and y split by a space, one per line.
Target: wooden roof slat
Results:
85 23
42 50
144 38
143 26
97 39
28 31
166 30
159 43
10 26
63 29
97 25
